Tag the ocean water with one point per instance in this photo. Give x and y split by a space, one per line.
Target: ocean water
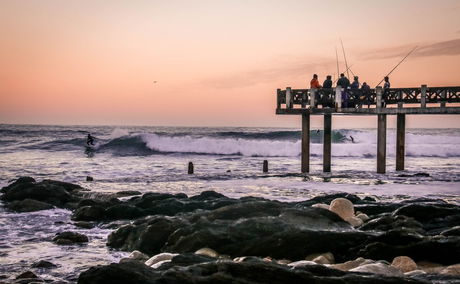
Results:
226 160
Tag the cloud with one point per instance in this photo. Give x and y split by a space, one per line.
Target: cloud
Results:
278 73
442 48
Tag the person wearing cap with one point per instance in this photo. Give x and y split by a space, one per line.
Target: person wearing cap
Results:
314 84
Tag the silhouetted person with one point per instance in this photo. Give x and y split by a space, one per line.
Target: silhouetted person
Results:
352 139
366 94
343 82
314 84
386 87
90 140
327 86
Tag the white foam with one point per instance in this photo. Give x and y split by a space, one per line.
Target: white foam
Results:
364 146
118 132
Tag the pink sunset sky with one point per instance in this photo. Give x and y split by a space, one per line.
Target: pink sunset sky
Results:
211 62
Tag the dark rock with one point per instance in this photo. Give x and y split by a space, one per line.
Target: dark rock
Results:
455 231
88 178
128 193
89 213
122 211
84 225
27 274
185 259
46 191
327 199
148 237
227 272
388 222
29 205
373 209
43 264
123 273
66 238
207 195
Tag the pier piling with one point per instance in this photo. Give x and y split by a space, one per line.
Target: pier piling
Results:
327 143
305 142
190 168
381 143
400 141
265 167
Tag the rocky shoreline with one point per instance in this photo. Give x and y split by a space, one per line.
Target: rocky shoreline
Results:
211 238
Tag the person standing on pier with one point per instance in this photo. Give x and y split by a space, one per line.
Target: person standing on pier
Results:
386 87
327 85
366 94
354 92
343 83
314 84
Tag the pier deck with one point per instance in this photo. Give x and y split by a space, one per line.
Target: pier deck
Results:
394 101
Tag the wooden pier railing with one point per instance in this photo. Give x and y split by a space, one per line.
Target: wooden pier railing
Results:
292 99
394 101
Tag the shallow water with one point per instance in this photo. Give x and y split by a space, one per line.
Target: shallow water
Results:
227 160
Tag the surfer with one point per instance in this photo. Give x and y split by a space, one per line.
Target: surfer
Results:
352 139
90 140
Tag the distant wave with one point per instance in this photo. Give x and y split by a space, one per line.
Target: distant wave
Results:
244 143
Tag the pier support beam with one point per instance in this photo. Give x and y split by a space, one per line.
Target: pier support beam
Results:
305 142
381 143
400 141
327 143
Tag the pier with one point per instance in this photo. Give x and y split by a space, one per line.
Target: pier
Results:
395 101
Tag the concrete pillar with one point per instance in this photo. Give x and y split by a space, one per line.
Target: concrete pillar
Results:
327 143
400 141
381 143
379 94
305 142
423 97
304 99
312 97
190 168
288 97
338 98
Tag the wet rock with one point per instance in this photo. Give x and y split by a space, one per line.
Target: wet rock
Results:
89 178
321 258
123 211
352 264
302 263
148 235
156 260
455 231
207 195
342 207
321 205
89 213
68 238
363 217
43 264
137 255
354 221
128 193
378 268
53 192
207 252
223 272
84 225
389 222
404 263
29 205
327 199
27 274
451 270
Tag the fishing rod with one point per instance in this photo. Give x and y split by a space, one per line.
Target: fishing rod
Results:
343 72
345 57
337 60
398 65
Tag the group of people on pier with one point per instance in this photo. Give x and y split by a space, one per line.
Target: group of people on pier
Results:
353 94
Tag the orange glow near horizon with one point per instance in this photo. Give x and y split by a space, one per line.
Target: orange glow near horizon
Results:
207 62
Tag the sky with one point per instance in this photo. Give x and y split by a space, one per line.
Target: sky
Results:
212 62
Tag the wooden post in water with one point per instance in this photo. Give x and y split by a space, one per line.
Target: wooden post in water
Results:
400 141
423 97
305 142
381 143
190 168
265 167
327 143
